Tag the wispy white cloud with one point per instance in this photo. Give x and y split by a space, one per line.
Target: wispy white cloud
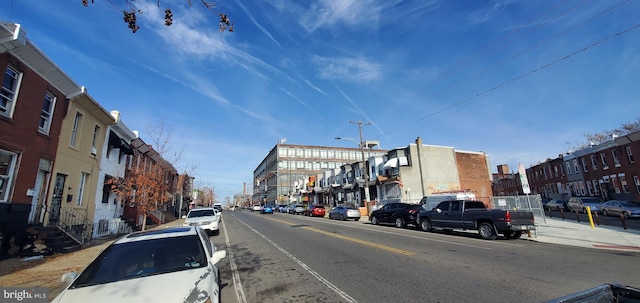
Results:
347 69
257 24
327 13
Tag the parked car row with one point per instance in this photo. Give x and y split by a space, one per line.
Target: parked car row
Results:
626 209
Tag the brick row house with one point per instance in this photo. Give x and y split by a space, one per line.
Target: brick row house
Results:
58 150
608 170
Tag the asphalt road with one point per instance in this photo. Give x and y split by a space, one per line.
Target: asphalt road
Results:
289 258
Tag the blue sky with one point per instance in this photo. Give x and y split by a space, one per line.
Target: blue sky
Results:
520 80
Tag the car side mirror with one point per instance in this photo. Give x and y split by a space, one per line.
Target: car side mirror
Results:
218 255
68 278
438 210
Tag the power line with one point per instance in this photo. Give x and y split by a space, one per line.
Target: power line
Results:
518 77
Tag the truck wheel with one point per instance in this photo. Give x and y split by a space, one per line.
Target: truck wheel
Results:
487 231
425 225
400 222
510 235
374 220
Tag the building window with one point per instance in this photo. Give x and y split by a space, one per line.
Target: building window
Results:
636 181
568 167
623 183
576 168
96 135
604 161
47 111
589 188
7 167
616 159
9 91
584 164
629 154
616 186
593 162
76 128
596 190
555 170
83 183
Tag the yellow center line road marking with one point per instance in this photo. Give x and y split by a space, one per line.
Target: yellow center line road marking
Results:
367 243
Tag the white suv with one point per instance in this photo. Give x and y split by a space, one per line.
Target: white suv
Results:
207 218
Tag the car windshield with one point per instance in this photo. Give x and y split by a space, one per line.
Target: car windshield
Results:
627 204
137 259
201 213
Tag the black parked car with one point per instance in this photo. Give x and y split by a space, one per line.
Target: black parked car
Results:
400 214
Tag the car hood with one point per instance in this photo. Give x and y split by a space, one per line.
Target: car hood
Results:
182 286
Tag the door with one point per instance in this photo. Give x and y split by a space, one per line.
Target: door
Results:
56 201
439 215
454 216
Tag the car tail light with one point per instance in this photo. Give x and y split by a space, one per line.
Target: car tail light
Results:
413 211
507 216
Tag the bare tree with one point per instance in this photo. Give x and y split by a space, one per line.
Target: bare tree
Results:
606 135
130 10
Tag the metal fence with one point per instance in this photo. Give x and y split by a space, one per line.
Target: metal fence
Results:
531 203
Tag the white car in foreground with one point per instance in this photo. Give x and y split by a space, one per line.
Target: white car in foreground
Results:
165 265
207 218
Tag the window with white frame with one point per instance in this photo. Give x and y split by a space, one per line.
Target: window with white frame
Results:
83 183
582 188
576 167
636 181
629 154
9 91
7 169
47 112
616 186
616 159
568 167
96 134
596 187
593 162
77 121
589 188
623 184
584 164
603 159
555 170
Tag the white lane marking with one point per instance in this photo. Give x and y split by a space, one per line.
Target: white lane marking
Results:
237 285
326 282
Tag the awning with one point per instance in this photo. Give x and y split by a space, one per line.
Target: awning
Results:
392 163
125 148
114 140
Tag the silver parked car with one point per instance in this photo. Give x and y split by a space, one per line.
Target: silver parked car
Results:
344 213
579 204
619 207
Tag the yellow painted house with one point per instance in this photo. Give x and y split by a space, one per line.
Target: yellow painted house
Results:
75 176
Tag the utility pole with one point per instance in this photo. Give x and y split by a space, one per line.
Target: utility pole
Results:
364 164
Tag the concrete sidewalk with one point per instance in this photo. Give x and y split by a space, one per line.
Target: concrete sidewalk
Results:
573 233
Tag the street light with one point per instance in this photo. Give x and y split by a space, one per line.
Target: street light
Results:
364 167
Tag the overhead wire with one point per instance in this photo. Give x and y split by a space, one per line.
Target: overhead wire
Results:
519 77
